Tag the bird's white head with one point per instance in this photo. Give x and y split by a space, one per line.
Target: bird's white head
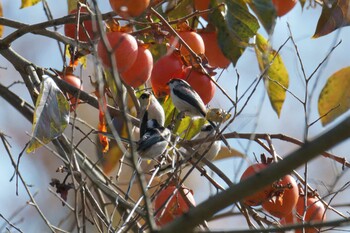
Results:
175 82
144 99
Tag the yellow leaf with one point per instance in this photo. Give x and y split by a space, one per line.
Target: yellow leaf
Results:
334 98
189 127
1 26
83 61
226 153
27 3
81 57
169 109
72 5
276 78
111 159
186 127
51 115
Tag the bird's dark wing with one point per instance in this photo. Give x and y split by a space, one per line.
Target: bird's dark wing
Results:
150 137
143 126
191 96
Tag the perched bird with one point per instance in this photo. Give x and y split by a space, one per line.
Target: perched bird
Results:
154 141
150 109
211 148
187 100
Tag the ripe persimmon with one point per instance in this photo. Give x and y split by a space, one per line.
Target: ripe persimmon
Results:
192 39
284 198
124 47
76 82
284 6
85 32
212 50
166 68
202 5
168 210
127 8
201 83
141 70
260 196
314 212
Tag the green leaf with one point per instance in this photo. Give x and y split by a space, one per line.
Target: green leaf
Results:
51 114
27 3
187 127
276 78
334 99
156 45
333 18
266 13
179 9
235 24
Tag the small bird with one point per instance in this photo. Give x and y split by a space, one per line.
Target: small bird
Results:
150 109
187 100
211 148
154 141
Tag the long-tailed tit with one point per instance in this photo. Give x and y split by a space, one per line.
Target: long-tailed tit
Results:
208 148
154 141
211 149
150 109
187 100
152 144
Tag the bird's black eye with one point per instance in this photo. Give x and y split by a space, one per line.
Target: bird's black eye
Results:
207 128
145 96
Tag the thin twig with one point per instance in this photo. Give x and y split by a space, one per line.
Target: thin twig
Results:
32 199
94 173
9 223
324 115
17 212
61 199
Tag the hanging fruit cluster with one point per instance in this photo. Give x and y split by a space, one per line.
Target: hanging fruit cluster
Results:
131 55
285 200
